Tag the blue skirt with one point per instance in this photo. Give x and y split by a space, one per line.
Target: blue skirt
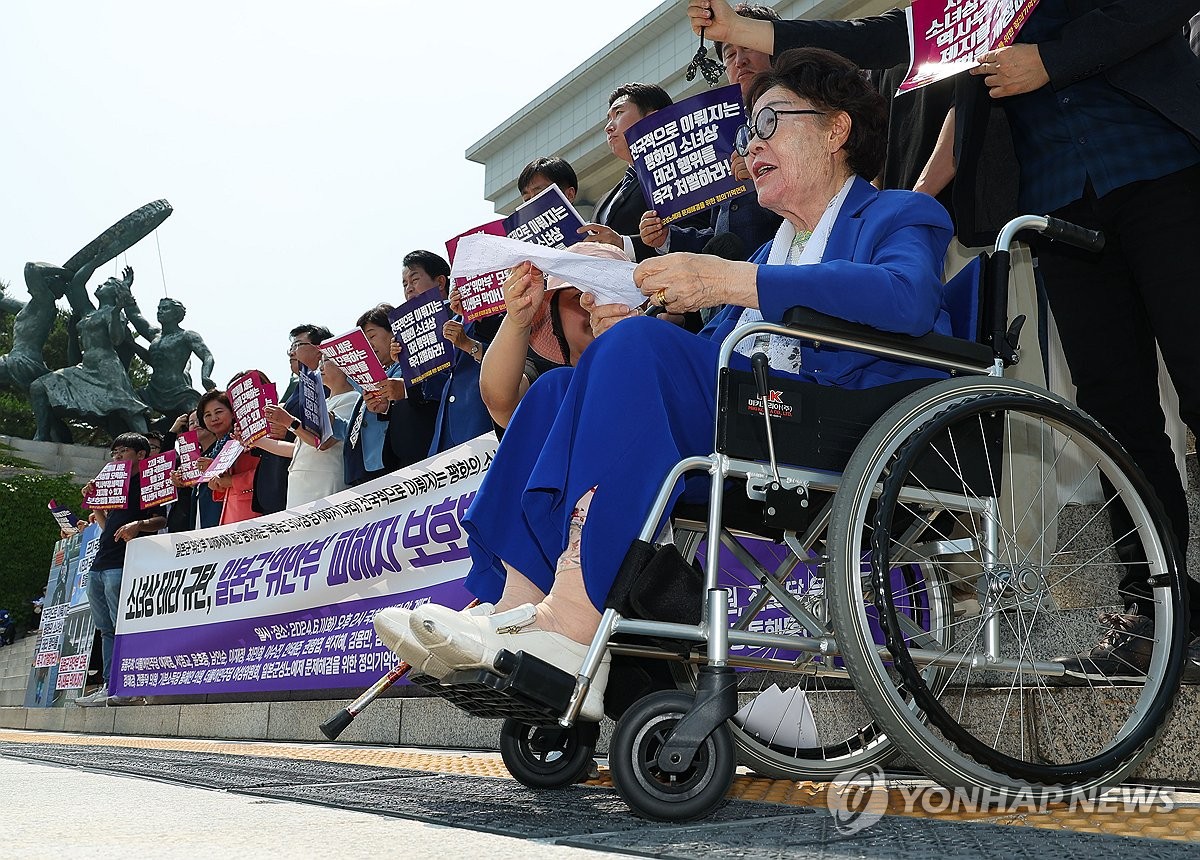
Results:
641 399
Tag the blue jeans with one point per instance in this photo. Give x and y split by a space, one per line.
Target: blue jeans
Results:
104 597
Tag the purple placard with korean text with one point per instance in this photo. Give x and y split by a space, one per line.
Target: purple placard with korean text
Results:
417 325
285 601
548 219
63 515
947 36
223 462
249 394
187 446
353 354
483 295
111 487
314 413
682 153
155 479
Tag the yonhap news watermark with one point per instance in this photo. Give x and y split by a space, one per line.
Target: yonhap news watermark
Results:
859 798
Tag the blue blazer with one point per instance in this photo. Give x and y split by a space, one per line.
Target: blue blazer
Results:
882 267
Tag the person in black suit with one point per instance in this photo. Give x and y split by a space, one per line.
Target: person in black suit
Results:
620 210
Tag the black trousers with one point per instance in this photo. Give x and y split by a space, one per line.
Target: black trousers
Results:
1112 308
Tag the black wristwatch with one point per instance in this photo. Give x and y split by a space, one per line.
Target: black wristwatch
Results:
295 425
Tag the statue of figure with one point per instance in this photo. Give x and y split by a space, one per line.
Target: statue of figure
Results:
46 283
171 347
96 391
24 362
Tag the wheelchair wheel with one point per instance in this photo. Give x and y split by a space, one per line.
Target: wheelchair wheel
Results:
804 720
972 478
547 756
652 792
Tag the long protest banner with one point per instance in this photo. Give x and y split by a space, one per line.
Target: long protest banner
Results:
285 601
947 36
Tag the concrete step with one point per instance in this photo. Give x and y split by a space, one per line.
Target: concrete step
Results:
434 723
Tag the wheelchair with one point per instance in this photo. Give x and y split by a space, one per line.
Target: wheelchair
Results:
888 571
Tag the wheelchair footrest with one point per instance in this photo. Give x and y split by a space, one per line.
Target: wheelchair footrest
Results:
521 687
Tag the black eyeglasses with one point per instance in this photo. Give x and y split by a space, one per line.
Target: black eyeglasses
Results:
763 127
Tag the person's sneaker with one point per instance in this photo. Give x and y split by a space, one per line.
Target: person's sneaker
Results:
120 701
1121 655
96 700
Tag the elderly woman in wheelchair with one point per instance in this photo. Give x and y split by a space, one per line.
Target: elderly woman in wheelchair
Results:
592 449
587 447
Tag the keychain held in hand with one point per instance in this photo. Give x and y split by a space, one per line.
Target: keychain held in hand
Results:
710 68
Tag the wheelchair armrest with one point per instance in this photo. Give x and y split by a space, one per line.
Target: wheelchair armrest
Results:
940 349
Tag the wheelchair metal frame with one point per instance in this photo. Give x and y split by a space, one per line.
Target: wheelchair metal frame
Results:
714 630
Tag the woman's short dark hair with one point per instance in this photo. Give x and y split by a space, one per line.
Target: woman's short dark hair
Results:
376 316
208 397
832 83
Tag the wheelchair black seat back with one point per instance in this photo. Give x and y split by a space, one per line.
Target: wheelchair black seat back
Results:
927 563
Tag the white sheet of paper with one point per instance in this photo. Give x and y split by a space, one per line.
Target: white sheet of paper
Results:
782 718
610 281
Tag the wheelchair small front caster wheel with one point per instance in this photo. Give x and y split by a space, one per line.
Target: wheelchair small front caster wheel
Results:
548 756
649 790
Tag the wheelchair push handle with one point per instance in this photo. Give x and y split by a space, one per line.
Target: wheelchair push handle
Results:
1073 234
1052 228
761 368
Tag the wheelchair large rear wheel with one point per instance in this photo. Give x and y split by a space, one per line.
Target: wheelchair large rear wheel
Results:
799 716
1008 491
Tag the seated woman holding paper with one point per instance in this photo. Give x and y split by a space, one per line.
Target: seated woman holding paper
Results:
316 468
544 327
588 447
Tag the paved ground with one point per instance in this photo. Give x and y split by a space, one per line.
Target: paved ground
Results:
100 796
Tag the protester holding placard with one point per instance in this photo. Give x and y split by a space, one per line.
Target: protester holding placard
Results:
119 526
619 212
216 416
742 216
389 423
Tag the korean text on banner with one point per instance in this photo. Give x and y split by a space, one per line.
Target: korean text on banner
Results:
314 413
548 219
947 36
682 153
187 446
155 479
249 395
353 354
111 487
285 601
481 295
417 325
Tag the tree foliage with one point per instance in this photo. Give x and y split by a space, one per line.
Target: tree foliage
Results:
29 534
